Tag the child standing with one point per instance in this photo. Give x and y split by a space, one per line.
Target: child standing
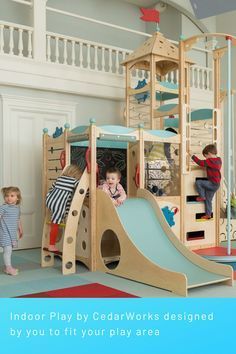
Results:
59 198
10 224
113 187
207 188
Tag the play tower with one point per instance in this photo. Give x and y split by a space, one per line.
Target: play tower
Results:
163 99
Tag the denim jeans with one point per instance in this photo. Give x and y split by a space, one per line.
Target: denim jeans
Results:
207 189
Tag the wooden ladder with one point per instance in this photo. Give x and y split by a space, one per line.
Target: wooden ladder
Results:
70 231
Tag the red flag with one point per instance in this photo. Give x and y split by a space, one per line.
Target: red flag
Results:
150 15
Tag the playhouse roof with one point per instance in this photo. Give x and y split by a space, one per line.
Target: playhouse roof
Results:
157 45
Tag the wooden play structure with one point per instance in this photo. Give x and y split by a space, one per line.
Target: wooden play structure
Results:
137 240
163 100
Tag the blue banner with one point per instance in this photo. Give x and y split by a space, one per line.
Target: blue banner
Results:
140 326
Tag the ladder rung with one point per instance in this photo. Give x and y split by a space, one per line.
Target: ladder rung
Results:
55 252
61 225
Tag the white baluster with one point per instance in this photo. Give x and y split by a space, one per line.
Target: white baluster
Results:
20 43
172 77
117 64
194 76
96 57
211 78
208 85
73 53
88 56
123 58
191 77
48 48
203 79
65 51
57 50
11 42
80 54
166 78
110 60
198 78
103 59
177 76
1 39
202 86
135 73
29 44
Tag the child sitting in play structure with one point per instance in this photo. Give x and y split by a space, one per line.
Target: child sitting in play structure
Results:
10 225
59 198
207 188
112 186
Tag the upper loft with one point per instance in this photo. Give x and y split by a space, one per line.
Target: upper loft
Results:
34 56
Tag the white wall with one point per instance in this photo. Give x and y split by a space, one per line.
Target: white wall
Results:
209 22
112 11
15 12
170 23
104 111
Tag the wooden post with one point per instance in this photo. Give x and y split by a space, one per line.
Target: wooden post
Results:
92 191
141 158
127 78
218 131
45 169
188 115
152 90
181 114
67 144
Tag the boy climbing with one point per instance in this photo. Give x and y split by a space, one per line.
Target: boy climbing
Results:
207 188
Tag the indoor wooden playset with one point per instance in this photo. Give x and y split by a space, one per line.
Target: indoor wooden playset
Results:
150 237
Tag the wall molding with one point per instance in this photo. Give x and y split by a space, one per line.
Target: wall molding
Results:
24 72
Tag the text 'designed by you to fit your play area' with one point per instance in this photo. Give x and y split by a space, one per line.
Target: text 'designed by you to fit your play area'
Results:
111 324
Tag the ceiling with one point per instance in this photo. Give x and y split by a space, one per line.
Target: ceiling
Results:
209 8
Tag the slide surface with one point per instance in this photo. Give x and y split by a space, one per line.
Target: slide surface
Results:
146 233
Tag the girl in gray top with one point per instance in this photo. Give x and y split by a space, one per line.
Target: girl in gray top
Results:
10 225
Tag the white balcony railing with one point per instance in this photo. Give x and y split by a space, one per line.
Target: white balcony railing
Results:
89 55
85 54
17 40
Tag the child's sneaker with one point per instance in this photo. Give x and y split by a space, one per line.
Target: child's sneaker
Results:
52 248
206 217
11 271
200 199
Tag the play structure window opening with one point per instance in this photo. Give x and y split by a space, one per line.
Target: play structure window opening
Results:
162 176
113 156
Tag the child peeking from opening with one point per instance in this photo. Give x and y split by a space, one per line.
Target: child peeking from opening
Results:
207 188
113 187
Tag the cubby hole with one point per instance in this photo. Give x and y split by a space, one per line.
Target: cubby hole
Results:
191 198
199 215
110 249
195 235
